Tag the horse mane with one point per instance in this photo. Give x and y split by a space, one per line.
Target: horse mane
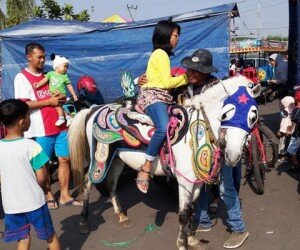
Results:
212 91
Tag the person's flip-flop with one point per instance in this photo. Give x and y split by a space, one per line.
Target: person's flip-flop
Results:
72 202
213 208
52 204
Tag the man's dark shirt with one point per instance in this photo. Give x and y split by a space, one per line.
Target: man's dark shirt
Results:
195 88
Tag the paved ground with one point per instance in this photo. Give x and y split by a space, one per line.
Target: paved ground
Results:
272 219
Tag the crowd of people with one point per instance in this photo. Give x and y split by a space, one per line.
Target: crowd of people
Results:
274 84
36 113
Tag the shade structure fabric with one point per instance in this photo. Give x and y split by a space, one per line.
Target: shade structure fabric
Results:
102 50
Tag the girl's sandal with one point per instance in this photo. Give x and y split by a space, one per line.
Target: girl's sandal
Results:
140 180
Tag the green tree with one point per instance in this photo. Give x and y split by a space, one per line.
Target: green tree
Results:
83 16
2 20
18 11
276 38
39 12
51 9
68 12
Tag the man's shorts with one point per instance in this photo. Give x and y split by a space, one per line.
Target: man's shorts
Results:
294 145
58 143
17 226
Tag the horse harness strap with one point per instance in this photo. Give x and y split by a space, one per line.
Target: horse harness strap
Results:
212 137
168 162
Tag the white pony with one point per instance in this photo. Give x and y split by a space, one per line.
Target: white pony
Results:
210 103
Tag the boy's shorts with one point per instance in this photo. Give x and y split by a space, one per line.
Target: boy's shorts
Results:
17 226
58 143
294 145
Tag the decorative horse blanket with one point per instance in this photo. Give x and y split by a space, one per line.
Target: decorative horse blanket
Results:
116 127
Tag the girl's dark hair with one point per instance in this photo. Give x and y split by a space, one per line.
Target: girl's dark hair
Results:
12 110
162 35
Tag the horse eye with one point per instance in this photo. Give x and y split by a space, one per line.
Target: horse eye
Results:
254 119
252 116
227 112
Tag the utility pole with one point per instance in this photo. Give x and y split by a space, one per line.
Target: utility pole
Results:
129 8
258 26
258 42
235 35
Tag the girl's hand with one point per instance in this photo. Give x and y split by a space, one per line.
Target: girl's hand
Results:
36 85
75 98
142 80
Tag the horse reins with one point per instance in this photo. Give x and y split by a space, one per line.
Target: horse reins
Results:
217 151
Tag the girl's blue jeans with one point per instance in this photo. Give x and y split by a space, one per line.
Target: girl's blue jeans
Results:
158 112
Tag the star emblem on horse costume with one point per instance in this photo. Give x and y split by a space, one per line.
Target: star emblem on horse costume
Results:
243 99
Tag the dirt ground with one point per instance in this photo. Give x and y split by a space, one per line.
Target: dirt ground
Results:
273 219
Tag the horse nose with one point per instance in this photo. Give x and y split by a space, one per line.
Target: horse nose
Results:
232 161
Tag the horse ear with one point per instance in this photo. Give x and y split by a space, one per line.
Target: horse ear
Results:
255 91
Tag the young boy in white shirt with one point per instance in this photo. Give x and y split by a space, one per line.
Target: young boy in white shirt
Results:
23 177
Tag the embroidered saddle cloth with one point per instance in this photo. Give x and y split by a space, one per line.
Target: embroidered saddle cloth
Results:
116 126
141 127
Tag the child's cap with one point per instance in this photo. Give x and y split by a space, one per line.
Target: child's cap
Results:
58 60
287 101
273 56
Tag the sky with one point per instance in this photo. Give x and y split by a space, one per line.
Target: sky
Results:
273 15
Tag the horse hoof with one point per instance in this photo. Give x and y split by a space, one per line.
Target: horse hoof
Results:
194 244
197 247
126 224
84 228
181 245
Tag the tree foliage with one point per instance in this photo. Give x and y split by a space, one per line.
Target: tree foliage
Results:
276 38
18 11
51 9
2 20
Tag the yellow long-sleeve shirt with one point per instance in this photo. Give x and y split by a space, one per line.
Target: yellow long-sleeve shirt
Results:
159 72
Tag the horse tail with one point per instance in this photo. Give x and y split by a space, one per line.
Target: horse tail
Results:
79 147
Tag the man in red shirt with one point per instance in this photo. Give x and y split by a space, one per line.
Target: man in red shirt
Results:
43 116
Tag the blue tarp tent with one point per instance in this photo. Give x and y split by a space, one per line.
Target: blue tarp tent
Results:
103 49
